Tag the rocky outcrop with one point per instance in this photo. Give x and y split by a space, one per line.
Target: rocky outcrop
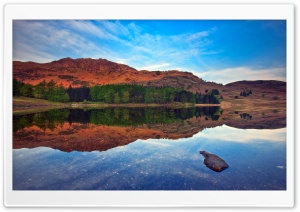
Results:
214 162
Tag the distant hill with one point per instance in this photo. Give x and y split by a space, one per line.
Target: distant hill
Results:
90 72
260 84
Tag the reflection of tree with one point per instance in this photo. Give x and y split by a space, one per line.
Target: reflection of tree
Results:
50 119
125 114
20 122
112 116
79 116
44 120
246 116
209 112
117 112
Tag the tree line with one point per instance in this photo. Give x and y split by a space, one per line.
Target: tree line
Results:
44 90
117 93
246 93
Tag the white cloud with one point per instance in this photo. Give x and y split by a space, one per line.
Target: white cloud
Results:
115 27
243 73
88 27
121 60
155 67
45 41
27 53
51 40
197 35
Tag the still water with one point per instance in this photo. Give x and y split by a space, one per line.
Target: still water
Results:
146 149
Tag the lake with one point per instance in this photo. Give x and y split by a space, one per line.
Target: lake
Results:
148 149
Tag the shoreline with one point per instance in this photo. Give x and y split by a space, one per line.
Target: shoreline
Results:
23 105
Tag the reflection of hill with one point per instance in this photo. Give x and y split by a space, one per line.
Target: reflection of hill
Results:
91 137
264 123
273 119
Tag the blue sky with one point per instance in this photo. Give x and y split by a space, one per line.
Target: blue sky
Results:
215 50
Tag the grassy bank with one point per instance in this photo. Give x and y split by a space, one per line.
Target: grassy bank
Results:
26 105
20 101
100 104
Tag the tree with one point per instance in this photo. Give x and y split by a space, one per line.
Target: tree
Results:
79 94
125 96
58 94
50 89
149 96
40 90
215 92
108 96
26 90
17 85
183 97
117 98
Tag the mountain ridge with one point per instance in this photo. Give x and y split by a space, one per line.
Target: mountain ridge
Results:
91 72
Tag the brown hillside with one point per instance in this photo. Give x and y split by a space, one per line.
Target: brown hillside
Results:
90 72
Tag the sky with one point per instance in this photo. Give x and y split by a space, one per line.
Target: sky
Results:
222 51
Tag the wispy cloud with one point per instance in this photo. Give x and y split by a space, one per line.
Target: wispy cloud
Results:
140 45
155 67
51 42
243 73
197 35
106 39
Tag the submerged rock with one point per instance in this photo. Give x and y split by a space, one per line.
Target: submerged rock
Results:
214 162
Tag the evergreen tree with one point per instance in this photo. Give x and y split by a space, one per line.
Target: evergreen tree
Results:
125 96
26 90
117 98
183 97
40 90
17 85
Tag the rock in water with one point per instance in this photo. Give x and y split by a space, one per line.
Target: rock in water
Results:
214 162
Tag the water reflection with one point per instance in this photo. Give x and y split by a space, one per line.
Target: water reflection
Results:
147 149
102 129
112 116
156 164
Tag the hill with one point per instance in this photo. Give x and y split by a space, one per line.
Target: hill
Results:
90 72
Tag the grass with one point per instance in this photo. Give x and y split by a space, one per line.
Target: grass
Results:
20 100
24 105
101 105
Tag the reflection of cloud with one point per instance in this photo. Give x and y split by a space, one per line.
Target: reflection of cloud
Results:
231 134
154 162
155 142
